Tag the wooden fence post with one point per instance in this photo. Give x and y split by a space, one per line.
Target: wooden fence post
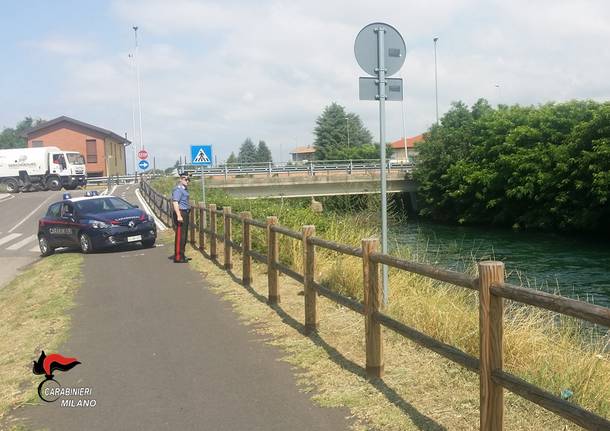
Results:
192 222
212 210
228 250
372 304
201 208
272 256
309 269
246 273
491 311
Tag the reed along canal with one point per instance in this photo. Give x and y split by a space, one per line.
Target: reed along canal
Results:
574 266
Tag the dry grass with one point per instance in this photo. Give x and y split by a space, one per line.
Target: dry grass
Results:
420 391
34 317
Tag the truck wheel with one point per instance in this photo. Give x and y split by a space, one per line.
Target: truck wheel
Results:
54 184
12 186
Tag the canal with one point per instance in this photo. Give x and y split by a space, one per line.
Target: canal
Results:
577 267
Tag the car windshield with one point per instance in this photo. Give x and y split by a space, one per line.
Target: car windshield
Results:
102 205
76 159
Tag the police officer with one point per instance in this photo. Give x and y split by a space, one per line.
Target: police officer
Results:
180 202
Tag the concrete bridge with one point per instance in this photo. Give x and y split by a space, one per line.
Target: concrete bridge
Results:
329 184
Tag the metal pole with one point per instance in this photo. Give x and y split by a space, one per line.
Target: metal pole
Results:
435 79
203 193
404 130
135 29
347 126
133 118
384 203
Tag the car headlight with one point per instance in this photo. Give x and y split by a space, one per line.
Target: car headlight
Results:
96 224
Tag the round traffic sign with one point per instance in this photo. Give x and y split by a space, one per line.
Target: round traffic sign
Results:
143 165
367 45
143 154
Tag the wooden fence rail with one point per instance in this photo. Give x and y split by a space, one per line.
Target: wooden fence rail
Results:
490 285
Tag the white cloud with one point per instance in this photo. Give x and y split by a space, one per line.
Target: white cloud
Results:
62 46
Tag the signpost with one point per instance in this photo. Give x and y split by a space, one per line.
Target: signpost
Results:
202 155
380 52
143 164
143 154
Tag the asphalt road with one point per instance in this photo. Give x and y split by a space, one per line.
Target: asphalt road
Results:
19 214
161 352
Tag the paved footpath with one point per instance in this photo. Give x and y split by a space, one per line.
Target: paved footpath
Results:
161 352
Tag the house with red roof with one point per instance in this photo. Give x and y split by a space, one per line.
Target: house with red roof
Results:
406 149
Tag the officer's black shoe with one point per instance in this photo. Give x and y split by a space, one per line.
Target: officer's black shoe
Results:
181 261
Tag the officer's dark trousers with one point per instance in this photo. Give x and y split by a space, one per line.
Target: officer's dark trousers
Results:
181 234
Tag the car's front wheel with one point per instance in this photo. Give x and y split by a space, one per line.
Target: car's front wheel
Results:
148 243
86 246
45 248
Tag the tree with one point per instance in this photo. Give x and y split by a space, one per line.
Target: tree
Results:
263 154
542 167
232 158
333 127
247 152
12 138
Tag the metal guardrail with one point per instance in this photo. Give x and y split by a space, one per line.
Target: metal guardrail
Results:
310 168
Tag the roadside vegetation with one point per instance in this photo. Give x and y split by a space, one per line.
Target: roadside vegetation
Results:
541 167
559 354
34 317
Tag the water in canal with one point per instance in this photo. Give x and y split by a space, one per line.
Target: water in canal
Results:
576 266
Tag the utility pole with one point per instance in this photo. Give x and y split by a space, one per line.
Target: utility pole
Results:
135 30
435 79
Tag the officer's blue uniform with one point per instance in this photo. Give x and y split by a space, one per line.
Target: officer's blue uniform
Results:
180 194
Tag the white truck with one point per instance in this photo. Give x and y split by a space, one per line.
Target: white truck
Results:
42 168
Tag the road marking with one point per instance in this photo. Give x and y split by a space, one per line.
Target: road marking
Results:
6 197
31 214
158 222
21 243
35 249
10 237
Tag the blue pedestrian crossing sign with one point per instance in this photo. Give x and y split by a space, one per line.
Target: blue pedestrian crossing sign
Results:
201 155
143 164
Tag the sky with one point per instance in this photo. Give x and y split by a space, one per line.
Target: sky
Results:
220 72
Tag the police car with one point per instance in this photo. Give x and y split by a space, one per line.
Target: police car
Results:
94 222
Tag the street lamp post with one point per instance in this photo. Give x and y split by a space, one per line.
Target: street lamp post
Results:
347 127
435 78
135 30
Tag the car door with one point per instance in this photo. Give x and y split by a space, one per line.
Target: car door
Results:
51 225
69 231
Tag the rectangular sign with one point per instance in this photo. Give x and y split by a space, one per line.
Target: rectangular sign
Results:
201 155
369 89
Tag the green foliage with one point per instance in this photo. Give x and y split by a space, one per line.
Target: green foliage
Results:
247 152
331 136
544 167
232 158
263 154
12 138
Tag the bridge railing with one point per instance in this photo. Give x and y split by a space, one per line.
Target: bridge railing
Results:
310 167
489 284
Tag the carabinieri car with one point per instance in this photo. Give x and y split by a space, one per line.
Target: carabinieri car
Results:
93 223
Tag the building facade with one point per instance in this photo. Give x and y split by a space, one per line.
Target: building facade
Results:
303 154
398 149
103 150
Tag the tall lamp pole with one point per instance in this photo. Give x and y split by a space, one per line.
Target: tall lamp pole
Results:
135 30
347 127
435 78
133 119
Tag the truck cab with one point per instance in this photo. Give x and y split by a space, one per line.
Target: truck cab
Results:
70 169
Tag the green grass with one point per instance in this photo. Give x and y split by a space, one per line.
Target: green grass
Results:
34 317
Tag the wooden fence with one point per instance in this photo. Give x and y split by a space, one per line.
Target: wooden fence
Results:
490 284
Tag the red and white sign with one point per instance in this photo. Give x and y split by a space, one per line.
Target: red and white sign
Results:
143 154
